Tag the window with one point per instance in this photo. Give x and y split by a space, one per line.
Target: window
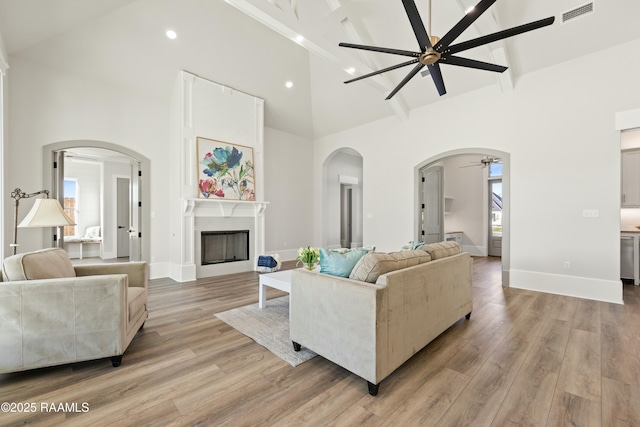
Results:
71 205
495 170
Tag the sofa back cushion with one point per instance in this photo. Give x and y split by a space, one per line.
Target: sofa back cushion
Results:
374 264
441 250
51 263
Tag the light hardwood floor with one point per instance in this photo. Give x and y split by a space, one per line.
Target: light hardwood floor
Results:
524 358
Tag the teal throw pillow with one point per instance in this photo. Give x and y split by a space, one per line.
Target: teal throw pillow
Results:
339 264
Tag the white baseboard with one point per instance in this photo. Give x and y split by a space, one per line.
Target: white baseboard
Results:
475 250
573 286
158 270
285 254
182 273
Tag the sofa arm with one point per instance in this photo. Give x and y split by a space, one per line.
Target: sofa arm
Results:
321 305
137 271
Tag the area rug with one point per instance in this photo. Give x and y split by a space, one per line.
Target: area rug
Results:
269 327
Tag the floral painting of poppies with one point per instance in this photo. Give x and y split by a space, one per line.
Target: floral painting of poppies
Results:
225 170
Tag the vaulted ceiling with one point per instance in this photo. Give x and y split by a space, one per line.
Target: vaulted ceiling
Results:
252 46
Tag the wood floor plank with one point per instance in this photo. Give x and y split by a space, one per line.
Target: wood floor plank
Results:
530 397
580 374
620 403
480 401
524 358
620 360
572 410
429 403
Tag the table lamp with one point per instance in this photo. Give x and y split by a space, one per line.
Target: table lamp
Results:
44 213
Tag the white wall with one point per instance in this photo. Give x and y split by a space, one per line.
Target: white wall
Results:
467 188
288 187
4 117
558 126
47 107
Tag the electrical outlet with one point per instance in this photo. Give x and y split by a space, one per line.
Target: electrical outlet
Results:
567 265
590 213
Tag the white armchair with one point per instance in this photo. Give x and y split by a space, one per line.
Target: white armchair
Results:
52 313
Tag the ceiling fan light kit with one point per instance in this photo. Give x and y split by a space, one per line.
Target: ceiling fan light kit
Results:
435 50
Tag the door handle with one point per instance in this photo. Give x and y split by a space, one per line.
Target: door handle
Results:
121 226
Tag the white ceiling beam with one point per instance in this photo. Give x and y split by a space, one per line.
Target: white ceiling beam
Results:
505 79
358 34
279 16
499 51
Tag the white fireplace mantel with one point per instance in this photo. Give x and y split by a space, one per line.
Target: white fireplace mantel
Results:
224 208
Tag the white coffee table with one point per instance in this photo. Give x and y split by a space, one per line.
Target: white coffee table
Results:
279 280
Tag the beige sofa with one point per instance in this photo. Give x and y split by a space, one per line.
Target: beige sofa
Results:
371 329
53 313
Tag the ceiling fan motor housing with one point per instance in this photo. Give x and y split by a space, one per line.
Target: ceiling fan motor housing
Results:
430 55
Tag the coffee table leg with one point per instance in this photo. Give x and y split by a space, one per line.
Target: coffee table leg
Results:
262 301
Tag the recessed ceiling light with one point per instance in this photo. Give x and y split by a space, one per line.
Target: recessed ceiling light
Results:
350 70
171 33
288 84
299 38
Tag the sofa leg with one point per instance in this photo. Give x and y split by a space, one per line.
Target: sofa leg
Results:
296 346
468 316
373 388
116 361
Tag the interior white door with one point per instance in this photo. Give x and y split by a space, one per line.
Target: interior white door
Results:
346 213
135 227
123 217
433 204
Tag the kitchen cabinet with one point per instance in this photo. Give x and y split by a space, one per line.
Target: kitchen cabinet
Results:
630 256
630 197
454 236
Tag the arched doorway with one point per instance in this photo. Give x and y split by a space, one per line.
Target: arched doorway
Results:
136 174
342 199
482 233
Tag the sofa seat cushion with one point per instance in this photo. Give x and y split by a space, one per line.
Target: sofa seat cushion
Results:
375 264
441 250
53 263
136 300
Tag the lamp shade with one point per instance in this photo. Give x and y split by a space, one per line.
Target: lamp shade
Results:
46 213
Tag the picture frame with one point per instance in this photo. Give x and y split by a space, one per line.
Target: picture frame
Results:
225 170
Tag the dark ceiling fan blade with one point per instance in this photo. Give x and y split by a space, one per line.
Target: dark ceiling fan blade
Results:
417 25
463 24
490 38
404 81
472 63
381 49
394 67
436 75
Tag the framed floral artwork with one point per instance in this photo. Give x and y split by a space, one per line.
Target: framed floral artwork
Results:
225 170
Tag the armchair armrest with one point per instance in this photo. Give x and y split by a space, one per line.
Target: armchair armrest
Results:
137 271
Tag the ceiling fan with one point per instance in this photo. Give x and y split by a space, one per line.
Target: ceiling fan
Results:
484 162
435 51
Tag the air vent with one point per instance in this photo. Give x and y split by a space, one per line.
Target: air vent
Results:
425 73
578 11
